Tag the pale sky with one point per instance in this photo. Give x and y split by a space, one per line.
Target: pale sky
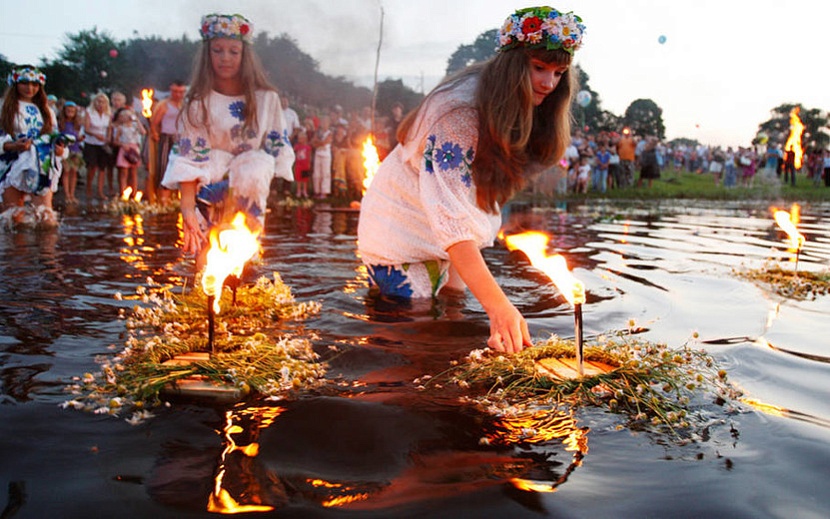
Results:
724 64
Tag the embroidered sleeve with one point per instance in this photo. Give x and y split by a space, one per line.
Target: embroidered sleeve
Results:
446 181
190 157
276 141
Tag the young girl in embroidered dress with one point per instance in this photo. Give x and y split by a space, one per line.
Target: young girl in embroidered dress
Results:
70 122
467 149
232 134
31 150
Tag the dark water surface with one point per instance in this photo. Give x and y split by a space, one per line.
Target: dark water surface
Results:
379 447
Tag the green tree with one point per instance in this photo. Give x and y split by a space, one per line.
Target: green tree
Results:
482 49
85 65
644 117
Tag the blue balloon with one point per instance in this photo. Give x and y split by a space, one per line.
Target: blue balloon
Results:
661 39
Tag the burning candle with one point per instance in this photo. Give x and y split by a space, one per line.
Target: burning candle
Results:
534 245
230 249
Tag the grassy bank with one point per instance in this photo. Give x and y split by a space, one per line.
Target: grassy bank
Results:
685 185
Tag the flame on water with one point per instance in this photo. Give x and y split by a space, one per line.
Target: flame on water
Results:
147 102
534 244
228 252
371 162
128 193
787 222
794 140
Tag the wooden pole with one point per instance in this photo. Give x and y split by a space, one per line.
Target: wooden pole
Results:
578 336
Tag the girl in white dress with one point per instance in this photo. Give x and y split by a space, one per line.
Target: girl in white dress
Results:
232 134
31 149
471 145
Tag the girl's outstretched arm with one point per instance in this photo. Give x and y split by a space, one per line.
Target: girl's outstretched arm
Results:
508 329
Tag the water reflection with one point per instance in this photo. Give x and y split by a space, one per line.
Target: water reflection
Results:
375 442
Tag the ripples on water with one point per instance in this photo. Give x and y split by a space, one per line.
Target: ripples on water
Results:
378 448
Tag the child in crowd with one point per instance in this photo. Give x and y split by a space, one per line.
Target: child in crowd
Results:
70 123
32 151
127 133
472 143
233 139
302 163
583 175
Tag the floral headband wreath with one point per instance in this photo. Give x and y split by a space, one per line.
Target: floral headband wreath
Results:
541 28
26 75
233 26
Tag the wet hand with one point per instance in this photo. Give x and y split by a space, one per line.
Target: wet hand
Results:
194 236
508 330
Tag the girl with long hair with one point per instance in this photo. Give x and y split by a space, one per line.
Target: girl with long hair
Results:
473 142
232 134
31 152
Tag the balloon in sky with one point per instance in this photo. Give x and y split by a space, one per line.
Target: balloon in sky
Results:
661 39
103 73
113 53
583 98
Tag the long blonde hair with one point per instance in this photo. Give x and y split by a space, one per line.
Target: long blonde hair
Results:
252 77
515 139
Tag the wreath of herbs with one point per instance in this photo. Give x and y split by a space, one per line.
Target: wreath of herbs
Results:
789 282
131 207
661 389
253 352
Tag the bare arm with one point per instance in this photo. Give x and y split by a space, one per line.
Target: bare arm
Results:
194 236
508 329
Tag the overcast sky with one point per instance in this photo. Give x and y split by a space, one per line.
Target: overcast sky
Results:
723 66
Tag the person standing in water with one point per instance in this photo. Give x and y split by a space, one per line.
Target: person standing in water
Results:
472 143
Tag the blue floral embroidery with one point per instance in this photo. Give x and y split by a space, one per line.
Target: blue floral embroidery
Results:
237 109
429 149
274 142
198 152
449 156
390 281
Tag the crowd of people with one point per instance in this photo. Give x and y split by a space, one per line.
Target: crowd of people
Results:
612 160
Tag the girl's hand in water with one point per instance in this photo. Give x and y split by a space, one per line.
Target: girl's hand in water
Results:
508 329
194 236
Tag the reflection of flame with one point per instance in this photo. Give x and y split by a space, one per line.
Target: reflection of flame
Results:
794 140
228 252
371 162
534 244
220 500
147 102
787 222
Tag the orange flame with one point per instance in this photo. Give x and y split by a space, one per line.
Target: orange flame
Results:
534 244
228 252
147 102
371 162
787 222
794 140
128 193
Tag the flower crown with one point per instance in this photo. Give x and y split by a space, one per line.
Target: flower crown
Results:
233 26
541 27
26 75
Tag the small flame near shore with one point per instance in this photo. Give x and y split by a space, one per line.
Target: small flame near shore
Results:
230 249
127 194
147 102
371 162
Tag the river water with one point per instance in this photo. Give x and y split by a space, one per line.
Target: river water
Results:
379 447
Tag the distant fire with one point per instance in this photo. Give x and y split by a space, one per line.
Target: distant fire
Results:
794 140
147 102
371 162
